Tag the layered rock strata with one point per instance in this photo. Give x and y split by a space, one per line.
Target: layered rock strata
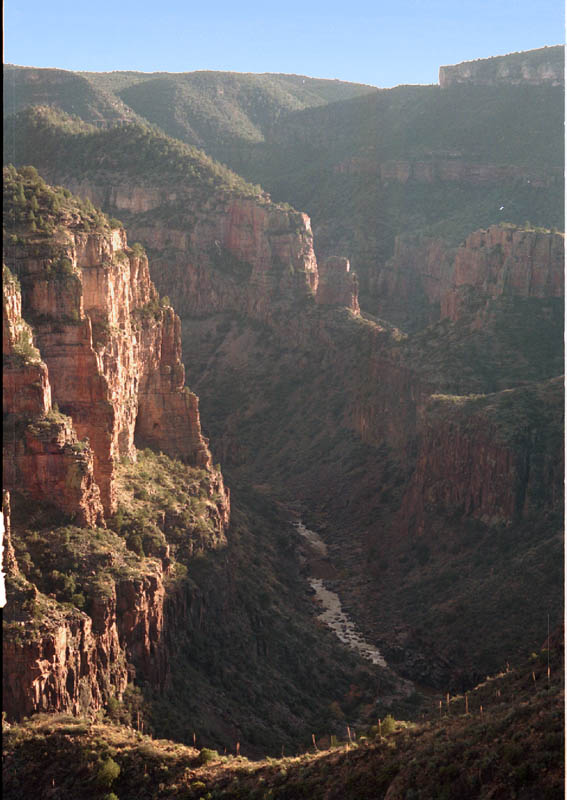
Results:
99 371
543 67
495 458
41 450
112 351
226 253
505 261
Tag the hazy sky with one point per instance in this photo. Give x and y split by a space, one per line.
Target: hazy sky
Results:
381 43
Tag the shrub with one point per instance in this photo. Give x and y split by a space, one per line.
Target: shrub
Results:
108 772
206 756
388 725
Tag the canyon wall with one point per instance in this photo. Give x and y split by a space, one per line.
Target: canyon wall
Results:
92 367
536 68
223 253
75 660
41 449
505 261
112 351
427 279
496 458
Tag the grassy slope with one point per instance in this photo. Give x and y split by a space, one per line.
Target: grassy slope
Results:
509 744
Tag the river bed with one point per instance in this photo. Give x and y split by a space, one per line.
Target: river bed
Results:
333 615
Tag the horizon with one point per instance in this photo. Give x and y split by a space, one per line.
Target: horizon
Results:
370 44
285 74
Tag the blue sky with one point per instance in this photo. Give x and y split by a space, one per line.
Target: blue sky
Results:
384 44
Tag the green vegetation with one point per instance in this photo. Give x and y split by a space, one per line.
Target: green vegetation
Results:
510 742
136 150
163 504
33 211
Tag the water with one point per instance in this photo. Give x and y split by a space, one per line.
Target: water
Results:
333 615
341 624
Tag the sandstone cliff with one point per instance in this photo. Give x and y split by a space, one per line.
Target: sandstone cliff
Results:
412 282
495 458
98 370
224 253
505 261
41 449
427 279
536 67
112 350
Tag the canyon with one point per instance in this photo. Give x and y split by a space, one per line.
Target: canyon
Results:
410 412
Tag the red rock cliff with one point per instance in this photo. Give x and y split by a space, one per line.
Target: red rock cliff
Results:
41 450
224 252
505 261
495 458
113 353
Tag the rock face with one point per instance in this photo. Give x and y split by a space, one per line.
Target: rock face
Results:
226 253
65 669
537 68
411 284
112 352
505 261
495 458
41 450
337 284
76 659
103 348
427 279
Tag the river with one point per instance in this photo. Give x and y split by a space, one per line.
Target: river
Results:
333 615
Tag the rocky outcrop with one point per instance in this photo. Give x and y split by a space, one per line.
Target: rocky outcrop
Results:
543 67
69 667
338 286
76 661
505 261
411 284
224 252
112 352
496 458
41 450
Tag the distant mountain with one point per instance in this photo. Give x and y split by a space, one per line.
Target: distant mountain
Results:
545 66
67 91
196 107
367 165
